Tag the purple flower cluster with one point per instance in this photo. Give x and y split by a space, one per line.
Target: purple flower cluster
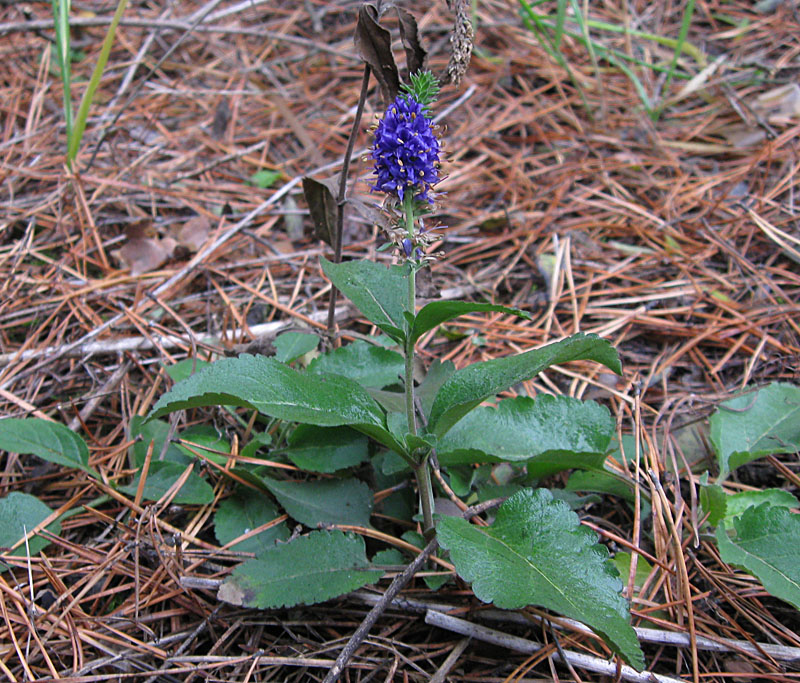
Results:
406 151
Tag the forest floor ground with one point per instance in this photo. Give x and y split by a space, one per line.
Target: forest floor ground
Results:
673 233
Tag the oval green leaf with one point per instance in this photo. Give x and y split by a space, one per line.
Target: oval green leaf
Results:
275 389
367 364
470 386
50 441
19 513
242 512
307 570
326 501
380 293
756 424
326 449
537 553
551 433
765 542
437 312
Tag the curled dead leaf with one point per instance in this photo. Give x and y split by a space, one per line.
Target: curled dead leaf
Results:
143 253
194 233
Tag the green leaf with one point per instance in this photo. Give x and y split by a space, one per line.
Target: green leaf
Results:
438 373
437 312
468 387
242 512
326 449
756 424
259 440
155 432
537 553
367 364
50 441
380 293
264 178
19 513
184 368
291 345
766 543
724 507
601 481
160 478
327 501
304 571
205 441
388 558
273 388
552 433
622 561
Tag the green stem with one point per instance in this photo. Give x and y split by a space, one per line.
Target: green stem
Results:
421 469
408 207
423 474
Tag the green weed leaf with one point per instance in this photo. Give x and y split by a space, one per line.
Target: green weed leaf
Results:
160 478
307 570
369 365
19 513
265 178
275 389
724 507
242 512
537 553
326 501
435 313
766 543
290 346
380 293
756 424
326 449
552 433
50 441
468 387
184 368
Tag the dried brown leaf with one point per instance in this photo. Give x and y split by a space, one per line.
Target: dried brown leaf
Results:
194 233
409 35
142 254
374 44
322 206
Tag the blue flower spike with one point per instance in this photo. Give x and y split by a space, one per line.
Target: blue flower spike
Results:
406 151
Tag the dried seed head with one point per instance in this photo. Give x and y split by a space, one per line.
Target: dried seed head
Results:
460 41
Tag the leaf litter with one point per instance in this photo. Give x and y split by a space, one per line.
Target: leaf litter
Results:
675 239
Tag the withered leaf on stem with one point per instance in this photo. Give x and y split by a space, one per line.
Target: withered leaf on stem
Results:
374 44
409 35
321 202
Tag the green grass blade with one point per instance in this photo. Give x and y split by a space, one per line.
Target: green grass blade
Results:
561 15
61 24
74 140
533 22
686 22
584 27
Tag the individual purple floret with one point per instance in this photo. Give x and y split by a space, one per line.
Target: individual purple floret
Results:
406 151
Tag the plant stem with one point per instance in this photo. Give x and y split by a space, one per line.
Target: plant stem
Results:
421 469
408 208
341 200
423 474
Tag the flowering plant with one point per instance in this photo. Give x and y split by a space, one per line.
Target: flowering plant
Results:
437 425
